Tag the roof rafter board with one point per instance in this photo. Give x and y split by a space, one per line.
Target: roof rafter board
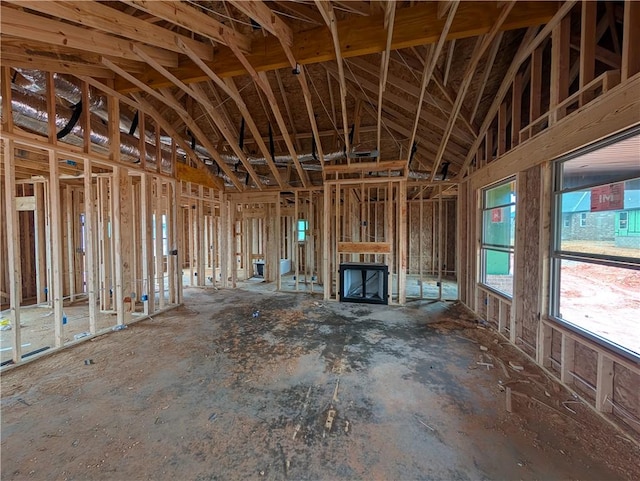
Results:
414 90
29 26
359 36
429 66
482 45
112 21
267 18
485 76
262 81
192 19
18 58
526 48
407 105
447 92
389 20
204 140
261 13
200 96
329 17
175 106
230 83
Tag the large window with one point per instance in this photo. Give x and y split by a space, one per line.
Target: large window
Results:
498 233
596 255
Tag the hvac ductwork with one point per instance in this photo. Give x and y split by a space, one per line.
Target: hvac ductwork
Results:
30 113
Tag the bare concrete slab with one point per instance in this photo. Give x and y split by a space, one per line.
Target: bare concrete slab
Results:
250 385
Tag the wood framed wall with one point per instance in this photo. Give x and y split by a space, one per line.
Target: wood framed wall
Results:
596 107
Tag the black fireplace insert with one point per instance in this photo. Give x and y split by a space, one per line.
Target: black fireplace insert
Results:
364 282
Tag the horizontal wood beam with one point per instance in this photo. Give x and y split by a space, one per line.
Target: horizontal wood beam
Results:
28 26
187 173
366 167
417 25
364 247
106 19
180 13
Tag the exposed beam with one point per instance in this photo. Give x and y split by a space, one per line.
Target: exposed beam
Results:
447 67
384 64
262 81
482 44
414 90
491 58
176 106
204 140
248 118
30 26
330 19
429 66
196 92
200 166
180 13
106 19
526 48
359 36
267 19
263 14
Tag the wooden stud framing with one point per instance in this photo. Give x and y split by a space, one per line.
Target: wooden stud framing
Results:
55 221
631 40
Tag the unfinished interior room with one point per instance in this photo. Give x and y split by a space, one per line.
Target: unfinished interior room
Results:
267 239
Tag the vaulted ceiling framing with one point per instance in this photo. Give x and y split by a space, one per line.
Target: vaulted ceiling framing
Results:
274 91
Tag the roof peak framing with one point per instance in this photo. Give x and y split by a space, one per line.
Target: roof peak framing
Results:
417 25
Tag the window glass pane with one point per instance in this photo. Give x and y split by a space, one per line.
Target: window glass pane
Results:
617 161
302 230
604 220
497 270
501 195
603 300
499 226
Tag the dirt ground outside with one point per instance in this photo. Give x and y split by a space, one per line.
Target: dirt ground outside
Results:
601 299
240 384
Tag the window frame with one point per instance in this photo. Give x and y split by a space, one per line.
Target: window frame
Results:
485 247
557 255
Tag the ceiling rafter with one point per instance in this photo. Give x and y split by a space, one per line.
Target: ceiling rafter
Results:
140 103
414 90
415 25
196 92
123 73
389 18
204 140
180 13
262 13
261 80
429 66
488 65
527 46
28 26
106 19
330 19
405 104
231 85
481 46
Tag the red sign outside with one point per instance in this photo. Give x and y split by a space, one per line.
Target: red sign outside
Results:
496 215
607 197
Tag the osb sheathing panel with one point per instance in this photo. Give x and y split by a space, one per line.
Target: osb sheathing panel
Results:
450 249
626 394
585 366
556 348
529 319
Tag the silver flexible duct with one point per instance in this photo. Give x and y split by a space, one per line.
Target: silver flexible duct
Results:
30 112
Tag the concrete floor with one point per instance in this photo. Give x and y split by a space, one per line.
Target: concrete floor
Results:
208 391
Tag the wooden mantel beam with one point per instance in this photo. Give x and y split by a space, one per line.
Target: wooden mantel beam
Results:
413 26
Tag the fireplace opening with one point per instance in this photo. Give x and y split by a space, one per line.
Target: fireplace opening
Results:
364 282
